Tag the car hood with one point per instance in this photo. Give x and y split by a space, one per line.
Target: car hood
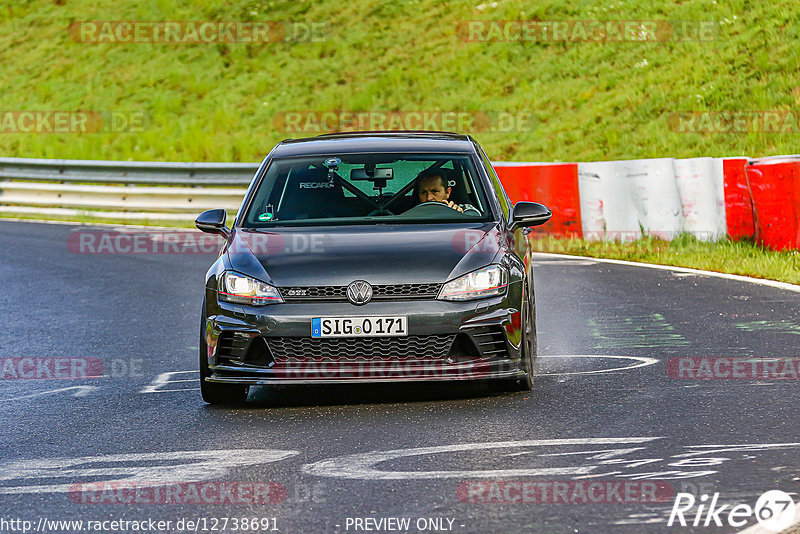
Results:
387 254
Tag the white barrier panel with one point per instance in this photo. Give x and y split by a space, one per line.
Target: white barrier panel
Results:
607 202
656 196
719 185
701 191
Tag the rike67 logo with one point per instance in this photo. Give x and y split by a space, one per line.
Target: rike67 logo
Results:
774 510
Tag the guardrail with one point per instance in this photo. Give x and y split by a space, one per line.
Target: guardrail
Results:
123 190
708 197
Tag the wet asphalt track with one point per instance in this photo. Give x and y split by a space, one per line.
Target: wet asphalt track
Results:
138 314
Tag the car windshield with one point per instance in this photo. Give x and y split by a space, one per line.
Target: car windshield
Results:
368 188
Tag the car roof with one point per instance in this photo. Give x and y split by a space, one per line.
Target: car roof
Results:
375 141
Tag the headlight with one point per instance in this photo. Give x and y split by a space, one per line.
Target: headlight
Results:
234 287
486 282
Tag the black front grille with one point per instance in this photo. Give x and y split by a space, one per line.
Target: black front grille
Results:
354 349
313 293
404 291
379 292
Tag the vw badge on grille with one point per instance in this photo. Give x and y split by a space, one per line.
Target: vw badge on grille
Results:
359 292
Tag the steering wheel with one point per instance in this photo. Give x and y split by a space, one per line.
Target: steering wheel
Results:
425 207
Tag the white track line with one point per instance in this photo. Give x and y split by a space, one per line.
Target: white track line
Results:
639 362
737 277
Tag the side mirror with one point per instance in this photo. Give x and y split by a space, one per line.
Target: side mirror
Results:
213 222
529 214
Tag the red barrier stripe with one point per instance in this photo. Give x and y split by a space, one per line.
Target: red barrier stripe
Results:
774 189
738 205
554 185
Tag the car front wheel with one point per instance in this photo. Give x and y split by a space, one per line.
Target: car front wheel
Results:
216 393
527 350
528 345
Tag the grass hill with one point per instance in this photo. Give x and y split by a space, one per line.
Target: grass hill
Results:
587 100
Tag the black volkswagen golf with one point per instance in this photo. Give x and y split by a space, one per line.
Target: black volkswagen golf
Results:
370 257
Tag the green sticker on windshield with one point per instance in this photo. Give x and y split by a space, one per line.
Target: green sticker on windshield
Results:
265 217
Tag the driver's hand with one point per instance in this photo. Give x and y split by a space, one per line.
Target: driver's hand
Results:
453 205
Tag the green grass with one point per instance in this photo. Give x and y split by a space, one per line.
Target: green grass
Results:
217 102
725 256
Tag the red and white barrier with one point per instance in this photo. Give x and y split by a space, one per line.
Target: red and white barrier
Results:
709 198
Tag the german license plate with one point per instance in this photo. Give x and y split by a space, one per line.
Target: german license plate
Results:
359 326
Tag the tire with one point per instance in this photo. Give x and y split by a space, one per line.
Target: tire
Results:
527 345
216 393
527 349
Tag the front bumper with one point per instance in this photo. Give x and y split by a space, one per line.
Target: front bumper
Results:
447 341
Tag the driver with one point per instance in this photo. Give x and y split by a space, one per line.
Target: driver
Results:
432 187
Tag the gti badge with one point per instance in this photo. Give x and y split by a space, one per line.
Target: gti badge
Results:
359 292
299 292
